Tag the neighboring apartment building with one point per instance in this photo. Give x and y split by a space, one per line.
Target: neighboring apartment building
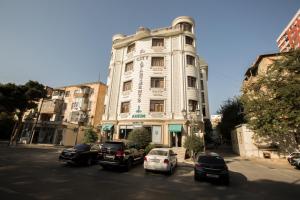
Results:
62 115
157 81
290 36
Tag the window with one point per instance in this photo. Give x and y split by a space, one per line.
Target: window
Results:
127 85
125 107
189 40
191 81
131 48
193 105
202 84
67 93
157 61
90 105
129 66
190 60
186 27
203 111
156 105
201 75
157 82
74 116
202 97
157 42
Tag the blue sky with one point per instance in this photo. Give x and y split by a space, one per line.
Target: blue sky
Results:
62 42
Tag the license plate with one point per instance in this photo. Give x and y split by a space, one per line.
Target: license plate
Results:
110 157
212 175
154 160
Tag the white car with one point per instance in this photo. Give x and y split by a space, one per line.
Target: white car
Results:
160 159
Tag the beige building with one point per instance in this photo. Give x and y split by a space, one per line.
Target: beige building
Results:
157 81
243 139
63 117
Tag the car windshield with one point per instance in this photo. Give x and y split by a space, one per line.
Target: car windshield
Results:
113 145
96 147
82 147
158 153
211 160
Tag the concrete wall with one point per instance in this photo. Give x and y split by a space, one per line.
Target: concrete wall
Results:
243 144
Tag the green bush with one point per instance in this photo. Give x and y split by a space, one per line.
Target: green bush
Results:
193 143
90 136
140 137
149 148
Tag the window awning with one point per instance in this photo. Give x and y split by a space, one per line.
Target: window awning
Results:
107 127
175 127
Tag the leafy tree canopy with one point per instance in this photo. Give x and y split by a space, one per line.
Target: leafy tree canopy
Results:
90 136
140 136
16 99
272 102
232 115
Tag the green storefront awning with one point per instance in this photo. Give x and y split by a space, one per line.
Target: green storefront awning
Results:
175 127
107 127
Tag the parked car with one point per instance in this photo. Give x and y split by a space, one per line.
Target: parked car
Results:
120 154
160 159
80 154
211 166
296 162
293 155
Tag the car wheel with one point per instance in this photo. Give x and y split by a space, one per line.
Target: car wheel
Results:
129 164
89 161
170 172
225 181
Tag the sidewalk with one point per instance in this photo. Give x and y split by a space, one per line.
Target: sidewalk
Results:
31 146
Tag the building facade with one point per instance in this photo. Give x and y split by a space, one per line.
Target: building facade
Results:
157 81
63 116
290 36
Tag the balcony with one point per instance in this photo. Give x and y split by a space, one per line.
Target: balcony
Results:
82 92
76 106
52 106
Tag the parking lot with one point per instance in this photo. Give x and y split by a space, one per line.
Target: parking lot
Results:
35 173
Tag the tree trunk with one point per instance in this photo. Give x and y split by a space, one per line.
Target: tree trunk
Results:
16 130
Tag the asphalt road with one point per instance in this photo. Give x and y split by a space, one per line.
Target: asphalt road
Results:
36 174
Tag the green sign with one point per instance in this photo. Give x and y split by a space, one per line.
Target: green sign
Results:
139 116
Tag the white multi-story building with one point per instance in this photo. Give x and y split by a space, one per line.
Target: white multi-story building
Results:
157 81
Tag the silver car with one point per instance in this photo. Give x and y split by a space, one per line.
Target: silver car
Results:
160 159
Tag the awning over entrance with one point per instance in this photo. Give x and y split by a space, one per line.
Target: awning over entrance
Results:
107 127
175 128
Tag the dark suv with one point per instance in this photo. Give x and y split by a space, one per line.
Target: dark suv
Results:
211 166
120 154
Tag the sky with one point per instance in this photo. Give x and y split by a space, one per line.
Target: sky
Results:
64 42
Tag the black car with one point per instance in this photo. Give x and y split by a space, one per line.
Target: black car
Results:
120 154
80 154
211 166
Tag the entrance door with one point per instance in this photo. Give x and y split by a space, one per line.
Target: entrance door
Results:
176 139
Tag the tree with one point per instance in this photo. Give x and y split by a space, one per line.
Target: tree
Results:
193 143
272 102
90 136
208 131
232 115
16 99
140 136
